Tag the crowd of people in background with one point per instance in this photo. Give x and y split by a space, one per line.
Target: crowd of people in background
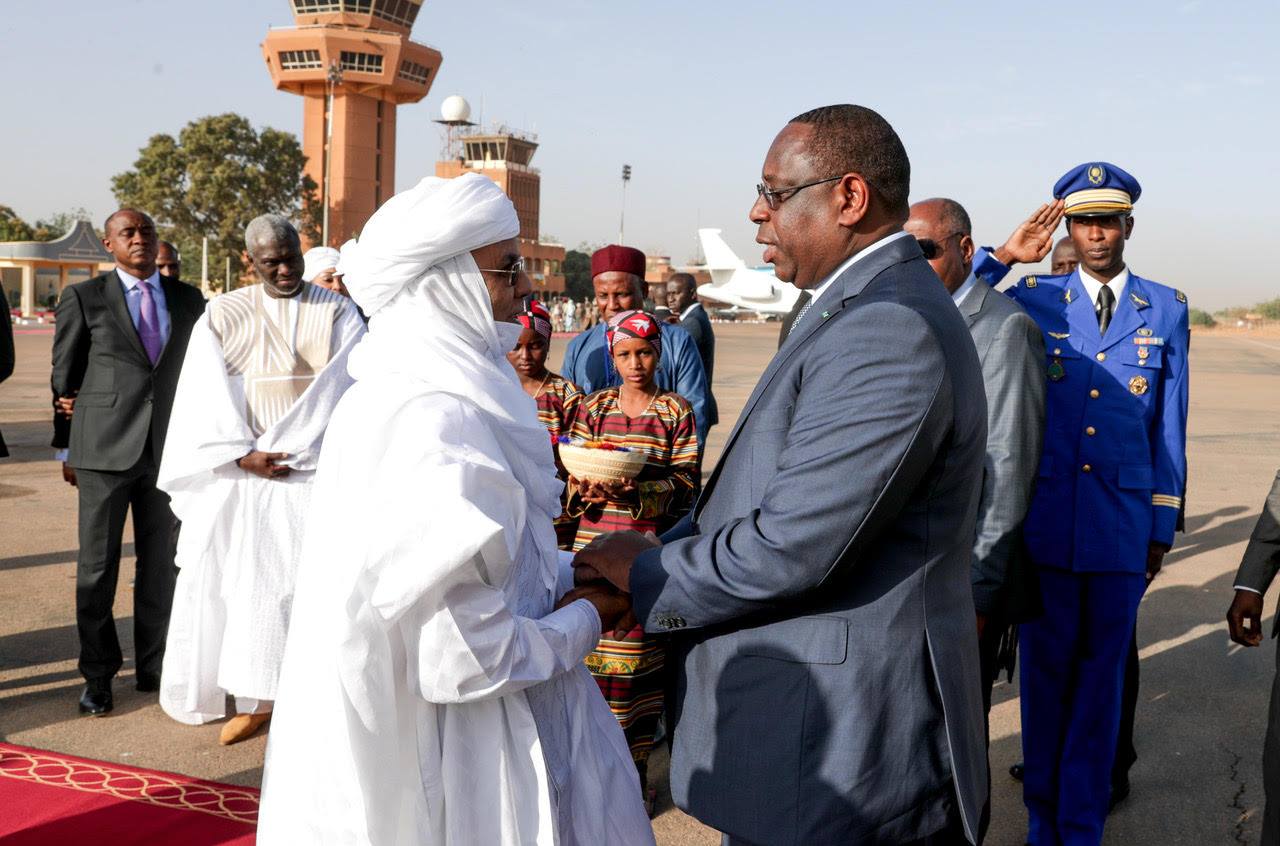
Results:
924 460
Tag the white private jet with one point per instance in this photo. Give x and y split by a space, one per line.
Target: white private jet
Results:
746 288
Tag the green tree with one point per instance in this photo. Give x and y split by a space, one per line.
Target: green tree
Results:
14 228
577 274
1270 310
1200 317
215 177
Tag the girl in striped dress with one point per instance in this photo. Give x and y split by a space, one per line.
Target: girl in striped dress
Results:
556 396
639 416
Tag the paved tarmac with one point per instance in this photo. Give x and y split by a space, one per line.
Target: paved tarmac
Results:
1201 716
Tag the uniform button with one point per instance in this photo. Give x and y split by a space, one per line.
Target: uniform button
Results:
1093 394
1090 431
1101 356
1087 468
1057 350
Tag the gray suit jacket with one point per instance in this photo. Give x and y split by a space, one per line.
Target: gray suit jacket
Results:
827 660
1262 555
1011 350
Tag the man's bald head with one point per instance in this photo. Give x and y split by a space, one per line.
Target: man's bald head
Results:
943 229
1065 257
168 262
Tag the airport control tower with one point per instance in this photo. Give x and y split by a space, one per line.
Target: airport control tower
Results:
353 63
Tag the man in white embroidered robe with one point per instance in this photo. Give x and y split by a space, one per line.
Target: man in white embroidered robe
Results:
265 367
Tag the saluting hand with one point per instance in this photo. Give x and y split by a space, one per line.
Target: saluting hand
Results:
1244 618
264 464
1033 238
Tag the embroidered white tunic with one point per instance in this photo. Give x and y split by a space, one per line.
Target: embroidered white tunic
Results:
260 373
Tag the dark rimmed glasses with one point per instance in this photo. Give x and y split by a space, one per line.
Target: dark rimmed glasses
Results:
932 248
773 198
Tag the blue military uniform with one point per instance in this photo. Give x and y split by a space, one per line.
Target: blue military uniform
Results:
1110 484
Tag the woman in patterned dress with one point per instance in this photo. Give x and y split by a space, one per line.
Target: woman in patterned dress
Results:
557 397
641 417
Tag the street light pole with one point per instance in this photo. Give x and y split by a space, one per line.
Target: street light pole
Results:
622 218
333 80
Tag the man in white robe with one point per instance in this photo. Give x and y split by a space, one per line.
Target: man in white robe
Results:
265 367
433 689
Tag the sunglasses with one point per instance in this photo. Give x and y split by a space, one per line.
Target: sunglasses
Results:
933 248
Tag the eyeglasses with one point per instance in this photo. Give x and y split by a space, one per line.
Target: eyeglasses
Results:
774 198
512 273
933 248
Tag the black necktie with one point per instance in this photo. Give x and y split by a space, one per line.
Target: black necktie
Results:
1106 307
793 317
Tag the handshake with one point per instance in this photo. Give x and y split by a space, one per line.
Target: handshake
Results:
602 576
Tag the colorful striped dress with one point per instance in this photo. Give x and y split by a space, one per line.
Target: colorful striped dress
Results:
558 401
630 671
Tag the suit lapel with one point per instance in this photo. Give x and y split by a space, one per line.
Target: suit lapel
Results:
180 317
971 305
113 298
1080 313
1129 313
850 284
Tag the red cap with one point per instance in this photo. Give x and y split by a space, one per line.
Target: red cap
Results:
614 257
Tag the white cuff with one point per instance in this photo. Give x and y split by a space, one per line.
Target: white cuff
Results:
60 455
580 623
564 574
1251 590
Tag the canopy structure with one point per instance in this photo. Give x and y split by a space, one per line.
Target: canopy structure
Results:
39 270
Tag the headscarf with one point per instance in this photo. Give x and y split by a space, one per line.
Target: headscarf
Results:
317 260
537 318
431 320
422 228
633 325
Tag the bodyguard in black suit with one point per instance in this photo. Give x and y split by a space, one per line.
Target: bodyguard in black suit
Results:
682 299
117 350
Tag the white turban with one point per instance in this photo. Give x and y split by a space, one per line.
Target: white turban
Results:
420 228
318 260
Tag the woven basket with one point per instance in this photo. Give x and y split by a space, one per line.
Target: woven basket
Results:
601 465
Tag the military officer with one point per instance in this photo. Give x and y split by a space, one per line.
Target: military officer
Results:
1107 497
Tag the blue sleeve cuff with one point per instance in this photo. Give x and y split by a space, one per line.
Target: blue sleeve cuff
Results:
987 267
1163 521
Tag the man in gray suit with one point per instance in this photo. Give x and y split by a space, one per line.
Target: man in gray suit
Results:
1011 350
1244 620
819 594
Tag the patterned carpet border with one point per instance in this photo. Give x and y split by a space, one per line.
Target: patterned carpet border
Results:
238 804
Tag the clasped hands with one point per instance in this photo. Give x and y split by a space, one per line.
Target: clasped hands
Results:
602 576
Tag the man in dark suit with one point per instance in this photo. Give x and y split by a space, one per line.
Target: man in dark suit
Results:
819 595
169 262
682 300
117 350
1011 350
1244 621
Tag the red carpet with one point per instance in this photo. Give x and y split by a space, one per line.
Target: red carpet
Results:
51 799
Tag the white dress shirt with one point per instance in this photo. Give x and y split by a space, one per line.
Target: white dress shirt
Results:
133 299
1093 285
963 290
688 310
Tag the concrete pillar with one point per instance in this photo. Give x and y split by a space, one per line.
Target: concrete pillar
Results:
62 279
28 290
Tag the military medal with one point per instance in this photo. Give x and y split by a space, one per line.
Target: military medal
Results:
1138 385
1143 353
1056 372
1061 336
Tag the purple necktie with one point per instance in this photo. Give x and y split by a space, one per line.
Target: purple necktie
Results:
149 324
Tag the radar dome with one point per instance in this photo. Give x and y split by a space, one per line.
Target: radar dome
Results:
455 108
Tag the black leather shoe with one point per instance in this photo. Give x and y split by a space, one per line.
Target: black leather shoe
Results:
96 700
1119 792
147 682
1017 771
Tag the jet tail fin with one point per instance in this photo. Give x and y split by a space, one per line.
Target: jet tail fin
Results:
719 255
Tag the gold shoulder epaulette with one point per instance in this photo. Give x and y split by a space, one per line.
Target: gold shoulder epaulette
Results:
1030 281
1182 298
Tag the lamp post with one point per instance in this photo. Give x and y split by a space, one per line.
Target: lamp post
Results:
622 218
333 80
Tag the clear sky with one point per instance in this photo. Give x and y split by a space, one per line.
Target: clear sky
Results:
992 107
